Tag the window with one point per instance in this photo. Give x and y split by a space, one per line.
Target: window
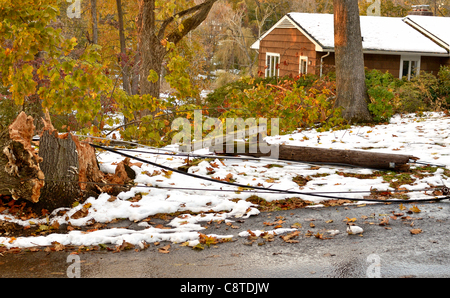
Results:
409 66
272 65
303 65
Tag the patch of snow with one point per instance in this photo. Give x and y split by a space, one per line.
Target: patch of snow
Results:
426 137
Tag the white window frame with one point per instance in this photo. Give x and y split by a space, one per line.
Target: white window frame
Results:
271 69
409 59
306 61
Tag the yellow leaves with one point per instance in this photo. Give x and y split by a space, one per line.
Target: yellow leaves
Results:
415 209
349 219
167 174
296 225
207 240
153 76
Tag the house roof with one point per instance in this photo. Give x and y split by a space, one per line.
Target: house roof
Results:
433 27
381 34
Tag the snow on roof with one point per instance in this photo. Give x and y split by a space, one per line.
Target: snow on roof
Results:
435 26
379 33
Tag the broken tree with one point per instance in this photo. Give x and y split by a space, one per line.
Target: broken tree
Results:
63 171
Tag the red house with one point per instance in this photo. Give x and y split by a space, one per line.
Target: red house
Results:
303 43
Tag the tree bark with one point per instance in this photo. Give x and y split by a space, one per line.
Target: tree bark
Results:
373 160
60 167
20 174
123 50
350 75
94 21
64 171
152 39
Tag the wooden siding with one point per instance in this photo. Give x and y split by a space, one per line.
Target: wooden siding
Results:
431 64
446 61
385 63
291 44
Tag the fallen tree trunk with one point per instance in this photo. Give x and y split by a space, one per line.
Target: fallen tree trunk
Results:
366 159
64 170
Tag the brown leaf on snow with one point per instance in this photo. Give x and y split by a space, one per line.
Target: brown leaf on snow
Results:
80 213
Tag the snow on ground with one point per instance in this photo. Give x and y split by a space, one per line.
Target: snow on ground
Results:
426 137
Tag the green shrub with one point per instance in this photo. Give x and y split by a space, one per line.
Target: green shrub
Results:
381 106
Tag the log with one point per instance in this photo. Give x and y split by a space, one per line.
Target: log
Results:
366 159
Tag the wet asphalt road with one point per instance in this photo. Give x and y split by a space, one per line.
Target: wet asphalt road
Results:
385 251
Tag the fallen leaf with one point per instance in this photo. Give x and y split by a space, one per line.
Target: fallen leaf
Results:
57 246
80 214
312 225
112 199
296 225
164 249
402 207
288 238
167 174
415 231
329 221
267 236
319 236
384 221
414 209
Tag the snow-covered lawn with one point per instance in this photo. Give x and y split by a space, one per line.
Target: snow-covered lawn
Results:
426 137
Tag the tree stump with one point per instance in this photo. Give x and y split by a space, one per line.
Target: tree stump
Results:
20 174
64 170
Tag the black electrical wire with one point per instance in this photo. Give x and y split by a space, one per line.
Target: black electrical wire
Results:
280 161
262 188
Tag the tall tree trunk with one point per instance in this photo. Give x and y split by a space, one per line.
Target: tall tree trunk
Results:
135 73
350 76
152 52
123 50
152 38
94 22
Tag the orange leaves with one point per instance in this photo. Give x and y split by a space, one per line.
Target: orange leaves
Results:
289 237
164 249
276 224
228 178
414 209
415 231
